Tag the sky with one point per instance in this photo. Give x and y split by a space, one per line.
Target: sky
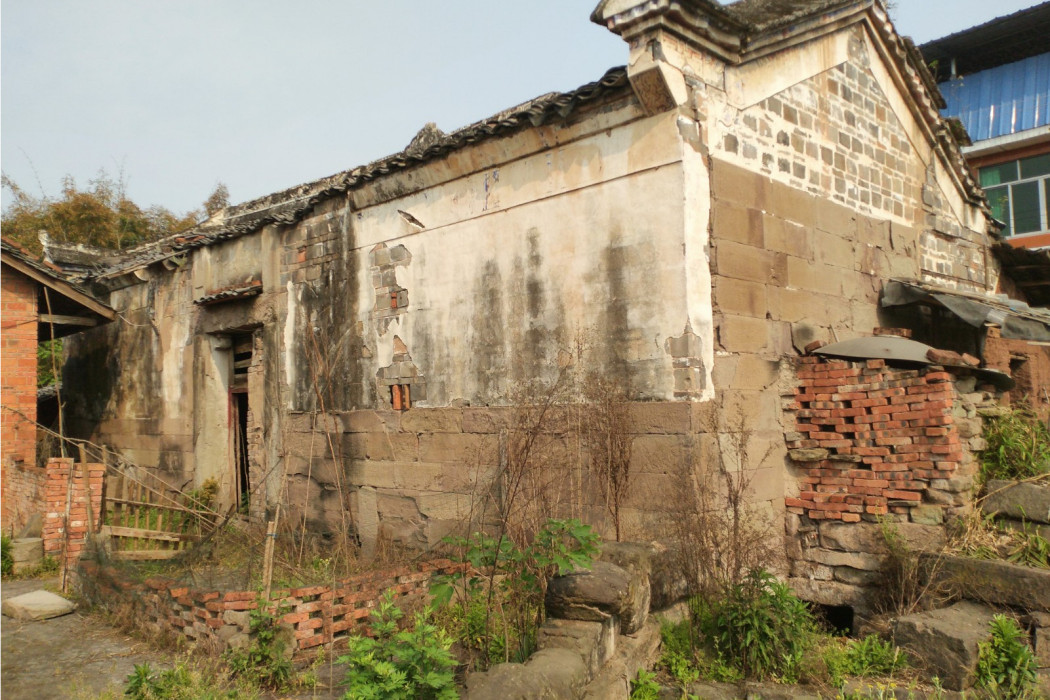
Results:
175 97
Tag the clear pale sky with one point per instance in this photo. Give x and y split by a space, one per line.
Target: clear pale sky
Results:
266 94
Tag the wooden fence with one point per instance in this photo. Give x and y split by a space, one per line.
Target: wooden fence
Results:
145 522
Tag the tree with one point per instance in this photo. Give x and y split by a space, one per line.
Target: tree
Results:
100 215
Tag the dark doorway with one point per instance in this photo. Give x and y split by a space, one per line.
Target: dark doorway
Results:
242 360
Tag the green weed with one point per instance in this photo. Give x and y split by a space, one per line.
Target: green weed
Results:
1006 666
399 665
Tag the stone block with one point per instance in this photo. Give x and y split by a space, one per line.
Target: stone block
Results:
549 673
432 420
596 594
945 641
744 262
992 581
854 560
869 537
732 222
486 420
594 642
37 605
787 237
659 454
400 447
736 296
794 305
835 249
731 183
660 417
455 447
1017 500
27 553
743 333
927 515
816 277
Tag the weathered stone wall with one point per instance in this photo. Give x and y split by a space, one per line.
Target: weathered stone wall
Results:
413 477
690 247
22 480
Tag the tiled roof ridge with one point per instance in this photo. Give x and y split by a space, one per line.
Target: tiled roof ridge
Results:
289 205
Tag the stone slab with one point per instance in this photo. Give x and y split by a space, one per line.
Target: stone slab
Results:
37 605
1017 500
992 581
945 641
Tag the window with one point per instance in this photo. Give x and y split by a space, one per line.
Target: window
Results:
1019 193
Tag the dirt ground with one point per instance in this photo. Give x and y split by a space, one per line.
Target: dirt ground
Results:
79 656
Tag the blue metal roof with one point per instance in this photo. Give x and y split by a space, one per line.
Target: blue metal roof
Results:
1002 100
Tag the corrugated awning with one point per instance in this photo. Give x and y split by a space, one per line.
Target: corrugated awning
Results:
1016 318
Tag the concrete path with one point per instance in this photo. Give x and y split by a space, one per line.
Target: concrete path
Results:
73 656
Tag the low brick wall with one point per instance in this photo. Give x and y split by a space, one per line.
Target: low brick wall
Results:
317 615
871 440
68 532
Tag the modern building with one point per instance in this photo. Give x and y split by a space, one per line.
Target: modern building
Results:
995 79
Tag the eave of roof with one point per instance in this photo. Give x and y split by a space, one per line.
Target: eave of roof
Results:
51 276
1003 40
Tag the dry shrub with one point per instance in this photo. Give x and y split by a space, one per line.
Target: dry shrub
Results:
719 533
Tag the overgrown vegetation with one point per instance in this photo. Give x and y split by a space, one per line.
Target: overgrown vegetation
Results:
100 214
7 559
182 682
1018 446
980 536
1006 665
48 357
400 664
263 662
760 630
500 595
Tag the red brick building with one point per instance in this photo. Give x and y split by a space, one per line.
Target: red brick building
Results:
37 304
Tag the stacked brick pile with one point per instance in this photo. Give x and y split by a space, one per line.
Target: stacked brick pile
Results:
58 488
870 439
316 614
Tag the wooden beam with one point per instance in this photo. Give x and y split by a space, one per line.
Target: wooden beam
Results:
145 554
62 287
60 320
1033 283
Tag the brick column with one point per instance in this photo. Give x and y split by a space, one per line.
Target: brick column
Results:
18 344
86 477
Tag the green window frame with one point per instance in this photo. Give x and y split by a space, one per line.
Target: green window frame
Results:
1019 194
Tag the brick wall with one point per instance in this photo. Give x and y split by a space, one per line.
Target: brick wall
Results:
22 480
872 440
69 533
1027 363
874 447
316 615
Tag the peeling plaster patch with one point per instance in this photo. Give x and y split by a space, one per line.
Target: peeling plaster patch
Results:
174 357
391 297
289 339
686 351
401 371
